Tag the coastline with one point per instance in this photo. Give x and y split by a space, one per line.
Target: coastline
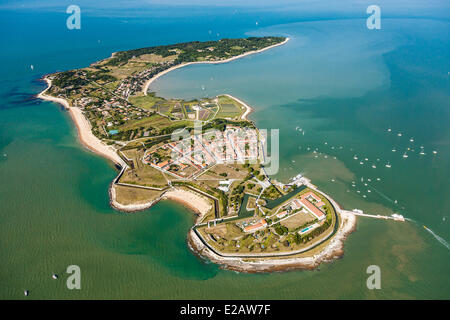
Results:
247 107
332 251
194 201
129 208
189 199
150 81
85 135
92 143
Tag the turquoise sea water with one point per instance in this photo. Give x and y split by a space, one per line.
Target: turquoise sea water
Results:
345 87
342 84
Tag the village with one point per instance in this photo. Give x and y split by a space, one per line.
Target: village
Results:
191 156
222 163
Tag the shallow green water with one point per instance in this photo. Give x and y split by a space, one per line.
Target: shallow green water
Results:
55 213
53 194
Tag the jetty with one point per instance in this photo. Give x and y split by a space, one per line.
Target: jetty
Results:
299 180
395 217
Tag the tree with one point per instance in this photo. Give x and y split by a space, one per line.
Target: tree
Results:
297 238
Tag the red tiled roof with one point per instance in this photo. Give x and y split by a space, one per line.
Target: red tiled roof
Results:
260 224
314 210
311 194
281 214
162 164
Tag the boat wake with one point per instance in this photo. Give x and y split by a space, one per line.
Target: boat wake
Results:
382 194
438 238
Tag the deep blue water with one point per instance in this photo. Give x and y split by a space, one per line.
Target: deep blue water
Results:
343 84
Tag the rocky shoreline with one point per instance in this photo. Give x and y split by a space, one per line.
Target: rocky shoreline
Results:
333 250
201 206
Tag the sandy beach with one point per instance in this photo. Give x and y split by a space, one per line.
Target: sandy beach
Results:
129 207
150 81
201 205
248 109
85 134
190 199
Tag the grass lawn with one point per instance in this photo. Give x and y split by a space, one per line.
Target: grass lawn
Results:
219 171
251 203
126 70
112 85
145 102
229 108
164 109
228 111
153 58
297 220
225 230
130 195
157 121
142 174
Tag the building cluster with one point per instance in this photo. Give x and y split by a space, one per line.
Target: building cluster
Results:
115 111
259 225
312 203
191 156
309 202
83 102
252 225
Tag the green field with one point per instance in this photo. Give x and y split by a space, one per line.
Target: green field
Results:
155 121
229 108
130 195
145 102
142 174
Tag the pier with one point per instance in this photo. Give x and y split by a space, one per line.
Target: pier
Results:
396 217
299 180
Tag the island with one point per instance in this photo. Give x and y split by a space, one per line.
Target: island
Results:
204 153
